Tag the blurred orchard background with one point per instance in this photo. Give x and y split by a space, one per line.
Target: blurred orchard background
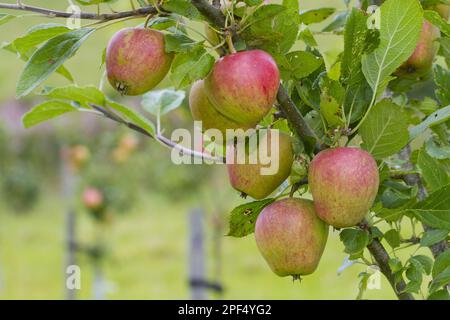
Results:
139 247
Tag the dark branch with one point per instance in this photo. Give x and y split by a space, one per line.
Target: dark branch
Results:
296 119
83 15
212 13
382 258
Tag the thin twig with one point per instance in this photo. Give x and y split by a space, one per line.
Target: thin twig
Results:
82 15
159 137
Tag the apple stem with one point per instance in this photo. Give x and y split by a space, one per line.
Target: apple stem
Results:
229 40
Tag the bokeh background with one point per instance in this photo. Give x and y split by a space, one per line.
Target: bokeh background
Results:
139 249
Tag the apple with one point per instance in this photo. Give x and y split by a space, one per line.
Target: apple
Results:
291 237
243 86
136 60
344 183
248 178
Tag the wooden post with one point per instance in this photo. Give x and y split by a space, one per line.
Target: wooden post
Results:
217 254
68 182
197 273
98 285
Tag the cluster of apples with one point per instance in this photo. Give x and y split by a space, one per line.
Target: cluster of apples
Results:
237 94
291 233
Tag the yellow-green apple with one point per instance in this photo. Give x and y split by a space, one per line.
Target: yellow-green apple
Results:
250 177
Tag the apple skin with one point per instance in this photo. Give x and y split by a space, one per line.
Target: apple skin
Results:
247 178
420 62
443 10
129 142
93 199
344 183
136 61
203 110
291 237
243 86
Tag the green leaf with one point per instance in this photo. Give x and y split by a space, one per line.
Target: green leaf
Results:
438 117
315 123
354 240
358 39
331 110
178 43
307 37
61 70
442 80
401 23
82 95
337 23
45 111
444 49
436 19
252 3
424 261
433 172
440 295
441 262
362 287
302 63
50 57
433 236
315 15
393 238
37 35
272 28
133 117
159 102
413 286
440 280
436 151
395 264
266 12
414 271
4 18
396 194
184 8
162 23
243 218
435 210
385 131
191 66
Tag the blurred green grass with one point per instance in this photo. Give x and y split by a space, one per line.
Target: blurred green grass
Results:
147 246
148 259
